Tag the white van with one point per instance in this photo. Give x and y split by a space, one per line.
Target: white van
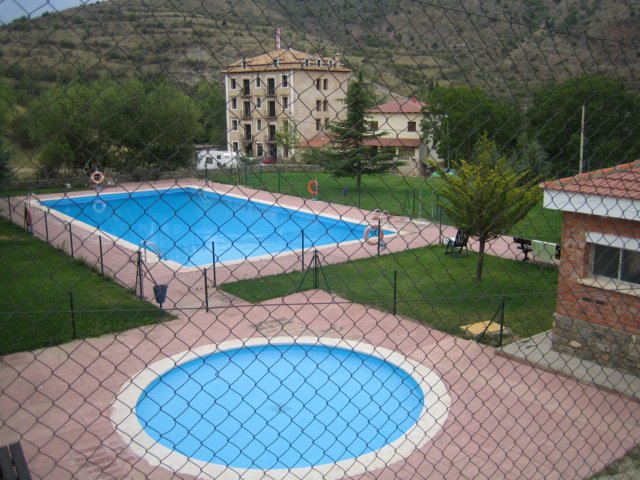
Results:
207 158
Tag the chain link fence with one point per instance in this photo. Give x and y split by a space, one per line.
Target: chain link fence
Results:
313 240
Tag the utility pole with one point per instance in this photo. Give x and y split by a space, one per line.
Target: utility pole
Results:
581 165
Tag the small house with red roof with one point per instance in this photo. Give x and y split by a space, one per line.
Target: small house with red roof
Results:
598 308
399 124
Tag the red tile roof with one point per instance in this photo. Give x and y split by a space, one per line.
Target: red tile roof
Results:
393 142
408 105
621 181
319 141
288 59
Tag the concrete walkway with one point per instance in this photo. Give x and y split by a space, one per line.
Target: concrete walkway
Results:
538 351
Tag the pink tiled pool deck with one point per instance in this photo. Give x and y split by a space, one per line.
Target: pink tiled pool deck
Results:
506 419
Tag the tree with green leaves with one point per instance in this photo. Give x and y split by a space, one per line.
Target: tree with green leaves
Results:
351 153
287 138
612 116
211 102
456 117
119 126
5 169
486 197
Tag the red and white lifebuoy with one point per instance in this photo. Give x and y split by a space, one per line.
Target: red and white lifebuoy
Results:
313 187
97 177
373 235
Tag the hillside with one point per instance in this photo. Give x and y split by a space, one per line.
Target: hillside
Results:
505 47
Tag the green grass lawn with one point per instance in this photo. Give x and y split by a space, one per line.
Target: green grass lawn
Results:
432 288
407 196
34 299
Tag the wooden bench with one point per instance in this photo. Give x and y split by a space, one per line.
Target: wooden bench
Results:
13 465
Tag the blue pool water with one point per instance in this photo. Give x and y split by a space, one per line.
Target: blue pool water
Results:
280 406
185 222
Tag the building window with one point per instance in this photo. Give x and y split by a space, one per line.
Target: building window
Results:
326 122
234 125
246 110
234 103
326 84
325 106
258 102
244 64
318 125
318 105
258 125
285 81
373 126
233 84
318 84
330 63
275 62
616 263
306 62
234 146
271 87
319 62
260 151
246 87
411 126
258 82
285 103
271 109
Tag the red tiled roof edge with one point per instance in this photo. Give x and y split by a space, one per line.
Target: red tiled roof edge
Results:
619 181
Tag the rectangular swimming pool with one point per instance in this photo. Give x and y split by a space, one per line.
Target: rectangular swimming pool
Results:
187 224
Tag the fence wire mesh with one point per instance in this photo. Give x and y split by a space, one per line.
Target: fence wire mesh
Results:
309 240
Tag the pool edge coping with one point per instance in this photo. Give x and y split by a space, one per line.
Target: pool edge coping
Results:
435 411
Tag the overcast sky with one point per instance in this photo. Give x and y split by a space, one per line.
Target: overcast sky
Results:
12 9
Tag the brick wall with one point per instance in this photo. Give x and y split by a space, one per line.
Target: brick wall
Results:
592 322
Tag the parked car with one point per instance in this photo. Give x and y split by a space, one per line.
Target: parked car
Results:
269 160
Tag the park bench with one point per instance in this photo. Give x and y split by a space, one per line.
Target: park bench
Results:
524 245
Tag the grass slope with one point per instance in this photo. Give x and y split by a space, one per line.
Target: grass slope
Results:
35 304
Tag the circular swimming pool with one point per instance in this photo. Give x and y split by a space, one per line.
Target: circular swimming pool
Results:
283 405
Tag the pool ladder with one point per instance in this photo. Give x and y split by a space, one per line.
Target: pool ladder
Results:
149 246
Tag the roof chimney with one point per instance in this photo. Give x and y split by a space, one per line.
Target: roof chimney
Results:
278 38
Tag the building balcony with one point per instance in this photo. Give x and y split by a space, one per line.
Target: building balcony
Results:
271 92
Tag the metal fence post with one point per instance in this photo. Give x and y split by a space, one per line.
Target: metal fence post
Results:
395 292
213 258
73 316
302 232
101 259
46 226
71 240
206 292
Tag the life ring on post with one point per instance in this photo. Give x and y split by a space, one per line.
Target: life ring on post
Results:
97 177
373 235
313 187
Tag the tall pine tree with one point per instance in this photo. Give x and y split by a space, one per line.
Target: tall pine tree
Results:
351 153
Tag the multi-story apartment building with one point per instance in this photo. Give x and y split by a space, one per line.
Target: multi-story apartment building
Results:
282 89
